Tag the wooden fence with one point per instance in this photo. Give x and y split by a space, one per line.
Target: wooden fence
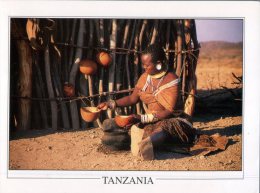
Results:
46 86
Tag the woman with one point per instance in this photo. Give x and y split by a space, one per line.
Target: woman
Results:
158 89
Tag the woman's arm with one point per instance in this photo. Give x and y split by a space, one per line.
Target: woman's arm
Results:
163 114
122 102
128 100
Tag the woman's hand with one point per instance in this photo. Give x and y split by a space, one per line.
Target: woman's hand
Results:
136 117
103 106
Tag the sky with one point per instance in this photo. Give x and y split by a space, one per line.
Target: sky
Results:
220 30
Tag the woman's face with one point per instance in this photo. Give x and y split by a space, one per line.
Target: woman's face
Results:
148 65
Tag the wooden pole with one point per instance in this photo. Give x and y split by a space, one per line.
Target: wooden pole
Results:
73 73
155 31
189 107
113 65
25 84
72 40
100 36
89 77
40 91
167 46
179 60
127 67
144 25
184 61
119 74
54 110
179 49
136 62
59 88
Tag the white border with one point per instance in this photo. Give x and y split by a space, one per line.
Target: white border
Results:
23 181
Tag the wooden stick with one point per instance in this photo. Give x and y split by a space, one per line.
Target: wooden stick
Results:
141 47
66 51
100 40
127 56
100 36
142 34
89 77
155 31
136 57
59 88
167 46
127 62
179 49
71 40
40 91
112 67
185 64
25 88
136 62
192 80
175 53
54 110
73 73
119 73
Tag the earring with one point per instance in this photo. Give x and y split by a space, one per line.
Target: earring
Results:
158 66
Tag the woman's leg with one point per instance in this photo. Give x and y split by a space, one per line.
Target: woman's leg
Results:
158 138
148 144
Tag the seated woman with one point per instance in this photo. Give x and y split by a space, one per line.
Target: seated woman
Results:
158 89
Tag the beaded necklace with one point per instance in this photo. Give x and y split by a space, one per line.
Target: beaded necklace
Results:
160 81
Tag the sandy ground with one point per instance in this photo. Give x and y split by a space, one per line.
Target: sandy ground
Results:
81 150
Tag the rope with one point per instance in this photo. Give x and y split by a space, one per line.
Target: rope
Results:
126 51
73 98
117 50
70 99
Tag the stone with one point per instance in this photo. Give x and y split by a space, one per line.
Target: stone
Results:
136 138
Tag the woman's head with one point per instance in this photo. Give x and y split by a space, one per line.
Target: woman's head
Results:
153 59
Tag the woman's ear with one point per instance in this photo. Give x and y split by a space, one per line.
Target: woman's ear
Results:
158 65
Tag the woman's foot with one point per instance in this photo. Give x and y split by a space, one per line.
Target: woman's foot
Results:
146 149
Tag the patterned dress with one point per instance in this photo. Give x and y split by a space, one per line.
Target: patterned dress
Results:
164 97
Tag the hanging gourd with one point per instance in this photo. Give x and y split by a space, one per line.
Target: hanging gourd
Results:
88 67
68 89
104 58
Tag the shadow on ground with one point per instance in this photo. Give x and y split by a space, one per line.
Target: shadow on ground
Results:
40 133
227 131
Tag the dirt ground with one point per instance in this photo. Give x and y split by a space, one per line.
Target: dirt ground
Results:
81 149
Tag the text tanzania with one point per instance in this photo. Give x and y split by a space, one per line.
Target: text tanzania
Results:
127 180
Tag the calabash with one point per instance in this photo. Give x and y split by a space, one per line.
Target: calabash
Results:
104 59
88 67
89 114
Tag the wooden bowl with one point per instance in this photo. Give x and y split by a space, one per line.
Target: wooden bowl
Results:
68 89
88 67
124 120
104 58
89 114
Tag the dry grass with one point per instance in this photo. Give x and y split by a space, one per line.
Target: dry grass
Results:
217 62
